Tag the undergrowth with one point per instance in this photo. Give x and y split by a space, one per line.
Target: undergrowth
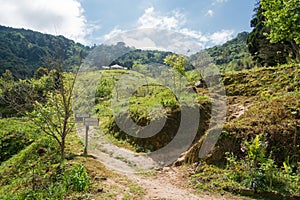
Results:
255 173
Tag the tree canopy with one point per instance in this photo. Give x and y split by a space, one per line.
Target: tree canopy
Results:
177 62
283 17
263 52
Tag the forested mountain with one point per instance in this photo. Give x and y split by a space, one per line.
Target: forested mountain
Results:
23 51
233 55
139 56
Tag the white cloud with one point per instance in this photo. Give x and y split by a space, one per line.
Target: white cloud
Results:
221 36
194 34
210 13
159 39
175 21
219 2
113 33
152 19
166 31
54 17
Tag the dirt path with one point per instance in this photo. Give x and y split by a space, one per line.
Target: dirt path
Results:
163 184
171 184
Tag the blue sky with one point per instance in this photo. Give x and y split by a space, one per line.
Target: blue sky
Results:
94 21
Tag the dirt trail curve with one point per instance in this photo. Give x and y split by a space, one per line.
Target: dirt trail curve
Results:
167 184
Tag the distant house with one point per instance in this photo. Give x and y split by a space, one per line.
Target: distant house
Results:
113 67
117 67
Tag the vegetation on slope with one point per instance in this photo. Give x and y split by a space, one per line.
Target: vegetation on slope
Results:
273 111
32 166
139 56
259 150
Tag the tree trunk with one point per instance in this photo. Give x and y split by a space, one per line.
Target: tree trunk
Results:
296 50
62 149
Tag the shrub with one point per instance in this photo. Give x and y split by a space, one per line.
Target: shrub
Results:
260 172
77 179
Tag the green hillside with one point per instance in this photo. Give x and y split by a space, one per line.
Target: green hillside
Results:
233 55
23 51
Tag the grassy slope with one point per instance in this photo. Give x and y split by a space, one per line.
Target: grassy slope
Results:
271 100
144 105
274 95
271 97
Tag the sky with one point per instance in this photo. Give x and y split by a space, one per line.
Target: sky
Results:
210 22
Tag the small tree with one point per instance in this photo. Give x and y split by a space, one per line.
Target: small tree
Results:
50 102
143 70
178 63
54 116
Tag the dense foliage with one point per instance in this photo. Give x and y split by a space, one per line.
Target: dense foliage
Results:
264 51
23 51
255 174
282 17
17 96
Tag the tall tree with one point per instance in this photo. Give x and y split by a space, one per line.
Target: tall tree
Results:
282 17
262 50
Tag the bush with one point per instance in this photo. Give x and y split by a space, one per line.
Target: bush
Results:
259 172
77 179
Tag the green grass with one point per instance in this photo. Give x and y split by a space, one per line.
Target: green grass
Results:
237 179
25 172
15 135
265 80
